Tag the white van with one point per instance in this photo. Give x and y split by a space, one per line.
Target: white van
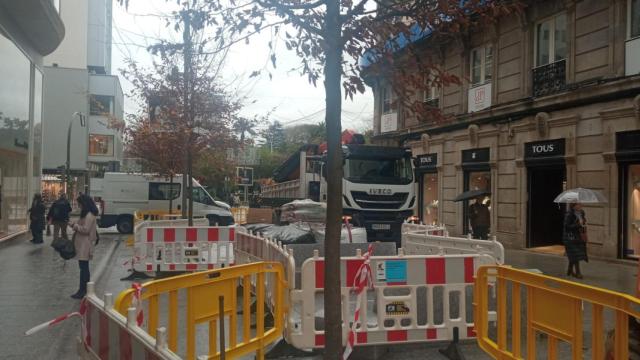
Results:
121 194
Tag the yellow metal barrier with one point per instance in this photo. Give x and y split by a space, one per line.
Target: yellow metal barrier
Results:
553 307
240 214
204 293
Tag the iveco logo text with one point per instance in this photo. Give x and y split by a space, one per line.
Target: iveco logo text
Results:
380 191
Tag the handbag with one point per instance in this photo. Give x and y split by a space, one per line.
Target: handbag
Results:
583 235
65 247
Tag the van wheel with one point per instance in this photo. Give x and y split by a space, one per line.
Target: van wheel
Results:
125 224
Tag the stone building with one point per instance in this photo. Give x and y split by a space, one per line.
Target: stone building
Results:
550 100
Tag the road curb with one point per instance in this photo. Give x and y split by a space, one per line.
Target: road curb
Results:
102 265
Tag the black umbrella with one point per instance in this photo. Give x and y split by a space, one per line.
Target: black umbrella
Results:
471 194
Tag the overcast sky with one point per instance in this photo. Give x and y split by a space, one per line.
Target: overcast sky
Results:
294 99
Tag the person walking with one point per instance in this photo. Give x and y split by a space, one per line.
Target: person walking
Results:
36 217
575 238
58 215
480 219
84 239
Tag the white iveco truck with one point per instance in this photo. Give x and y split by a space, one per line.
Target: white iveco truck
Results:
377 188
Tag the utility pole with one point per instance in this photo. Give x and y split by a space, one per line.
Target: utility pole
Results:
187 179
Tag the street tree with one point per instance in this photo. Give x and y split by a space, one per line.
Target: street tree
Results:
331 37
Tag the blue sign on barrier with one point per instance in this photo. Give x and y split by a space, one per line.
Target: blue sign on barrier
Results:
396 271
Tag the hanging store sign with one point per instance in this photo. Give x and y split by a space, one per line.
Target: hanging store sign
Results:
426 161
389 122
544 149
475 155
480 97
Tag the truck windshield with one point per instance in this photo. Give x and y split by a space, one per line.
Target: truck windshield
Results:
200 195
379 171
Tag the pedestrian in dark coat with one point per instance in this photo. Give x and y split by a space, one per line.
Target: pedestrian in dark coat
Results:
59 215
574 238
36 217
84 240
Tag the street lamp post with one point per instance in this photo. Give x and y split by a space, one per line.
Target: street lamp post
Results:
67 176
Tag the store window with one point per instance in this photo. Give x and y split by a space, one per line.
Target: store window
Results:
430 199
551 40
164 191
100 145
15 90
481 65
633 211
101 105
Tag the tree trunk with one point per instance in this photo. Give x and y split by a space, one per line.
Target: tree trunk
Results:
333 73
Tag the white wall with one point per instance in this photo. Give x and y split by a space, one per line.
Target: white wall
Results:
72 52
110 86
65 92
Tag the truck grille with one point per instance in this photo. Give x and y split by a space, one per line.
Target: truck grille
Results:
367 201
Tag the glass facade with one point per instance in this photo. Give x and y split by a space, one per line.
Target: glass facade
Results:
430 198
633 211
20 103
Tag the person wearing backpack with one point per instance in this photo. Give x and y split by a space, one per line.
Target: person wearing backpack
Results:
84 239
59 216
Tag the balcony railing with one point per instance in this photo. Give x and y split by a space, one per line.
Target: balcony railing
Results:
550 79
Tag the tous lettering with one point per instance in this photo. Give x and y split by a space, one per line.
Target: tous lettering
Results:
537 149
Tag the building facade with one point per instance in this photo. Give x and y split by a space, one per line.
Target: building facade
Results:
29 30
80 82
550 100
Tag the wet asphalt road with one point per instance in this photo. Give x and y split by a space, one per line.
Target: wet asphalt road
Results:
35 285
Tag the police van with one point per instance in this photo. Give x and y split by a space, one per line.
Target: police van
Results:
119 195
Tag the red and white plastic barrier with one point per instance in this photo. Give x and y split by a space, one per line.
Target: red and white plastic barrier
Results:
182 248
363 280
401 308
429 240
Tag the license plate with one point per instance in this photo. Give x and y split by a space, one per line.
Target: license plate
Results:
381 226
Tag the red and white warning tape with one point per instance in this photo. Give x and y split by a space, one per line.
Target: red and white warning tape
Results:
134 260
137 302
59 319
363 280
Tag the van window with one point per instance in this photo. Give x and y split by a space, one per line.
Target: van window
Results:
163 191
201 196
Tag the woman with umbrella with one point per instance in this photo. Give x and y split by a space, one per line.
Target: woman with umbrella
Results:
574 238
574 235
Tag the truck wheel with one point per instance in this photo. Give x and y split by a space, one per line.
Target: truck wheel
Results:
125 224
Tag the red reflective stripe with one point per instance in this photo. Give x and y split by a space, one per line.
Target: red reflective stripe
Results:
432 334
149 235
209 266
149 267
169 235
212 234
172 266
319 340
397 335
103 347
232 234
435 271
125 345
468 270
361 337
192 266
319 274
87 316
352 269
192 234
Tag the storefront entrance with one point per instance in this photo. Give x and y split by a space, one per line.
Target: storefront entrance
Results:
428 189
546 179
628 156
545 217
477 176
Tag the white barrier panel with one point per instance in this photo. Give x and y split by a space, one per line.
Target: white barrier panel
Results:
424 243
108 335
411 300
179 248
427 229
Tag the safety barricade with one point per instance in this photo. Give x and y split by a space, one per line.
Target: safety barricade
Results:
424 242
182 248
161 218
240 214
550 306
415 298
439 230
107 334
209 298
